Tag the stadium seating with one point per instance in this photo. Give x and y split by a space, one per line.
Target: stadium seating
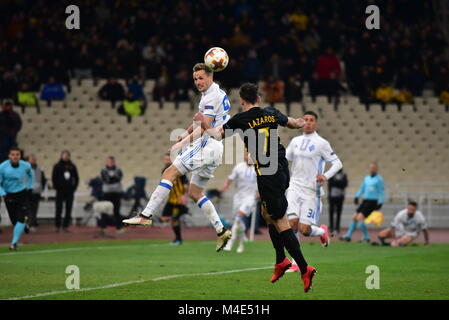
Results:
410 146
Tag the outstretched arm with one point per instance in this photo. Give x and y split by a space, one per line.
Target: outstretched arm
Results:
197 131
295 123
226 185
186 133
217 133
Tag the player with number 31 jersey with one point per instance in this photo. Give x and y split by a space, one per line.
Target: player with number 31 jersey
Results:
308 154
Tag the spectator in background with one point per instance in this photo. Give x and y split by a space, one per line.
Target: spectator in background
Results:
251 67
52 90
112 91
383 71
99 70
274 67
111 176
39 184
27 98
273 90
328 63
83 64
332 89
417 80
135 87
232 75
364 89
293 90
353 65
444 98
31 76
404 96
299 20
131 107
65 181
161 91
403 78
60 74
315 88
384 95
337 185
10 125
181 86
441 80
305 68
113 68
8 85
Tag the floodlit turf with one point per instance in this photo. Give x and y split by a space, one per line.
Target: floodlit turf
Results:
195 271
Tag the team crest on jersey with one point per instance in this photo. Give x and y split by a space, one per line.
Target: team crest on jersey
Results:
311 148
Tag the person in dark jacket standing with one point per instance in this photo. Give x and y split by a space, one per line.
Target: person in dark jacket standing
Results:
112 176
337 185
65 180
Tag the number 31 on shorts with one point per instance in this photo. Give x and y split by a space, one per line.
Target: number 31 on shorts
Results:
311 214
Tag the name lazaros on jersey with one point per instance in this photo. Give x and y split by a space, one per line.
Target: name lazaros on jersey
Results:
261 120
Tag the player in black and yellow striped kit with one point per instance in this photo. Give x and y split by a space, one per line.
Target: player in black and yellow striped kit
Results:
176 203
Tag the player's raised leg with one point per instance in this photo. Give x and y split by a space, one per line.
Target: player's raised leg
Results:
157 199
241 228
308 223
196 193
236 233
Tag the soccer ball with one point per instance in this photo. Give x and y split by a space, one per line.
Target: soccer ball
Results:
216 59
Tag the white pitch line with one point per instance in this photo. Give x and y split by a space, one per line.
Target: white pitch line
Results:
87 248
113 285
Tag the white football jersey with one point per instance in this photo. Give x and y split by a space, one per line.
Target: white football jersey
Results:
215 103
407 224
308 154
245 179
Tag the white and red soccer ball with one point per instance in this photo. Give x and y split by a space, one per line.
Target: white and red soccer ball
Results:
216 59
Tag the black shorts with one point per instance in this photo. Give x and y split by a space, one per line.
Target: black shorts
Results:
367 207
272 191
17 205
174 210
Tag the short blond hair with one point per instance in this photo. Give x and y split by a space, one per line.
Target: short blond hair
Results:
202 66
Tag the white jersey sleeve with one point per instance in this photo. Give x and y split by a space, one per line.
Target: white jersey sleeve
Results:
329 156
421 221
289 152
234 174
327 153
396 223
215 104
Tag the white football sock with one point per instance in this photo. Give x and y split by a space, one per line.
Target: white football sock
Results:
208 209
316 231
242 229
234 229
158 198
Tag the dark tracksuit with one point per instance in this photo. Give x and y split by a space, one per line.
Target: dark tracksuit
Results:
65 180
337 185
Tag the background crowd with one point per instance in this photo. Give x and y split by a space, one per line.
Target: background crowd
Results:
285 44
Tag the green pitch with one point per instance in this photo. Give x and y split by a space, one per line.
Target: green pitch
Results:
156 270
